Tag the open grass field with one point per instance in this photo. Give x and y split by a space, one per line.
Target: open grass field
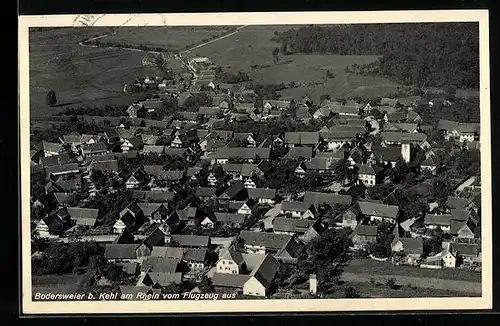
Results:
369 266
79 75
171 38
250 50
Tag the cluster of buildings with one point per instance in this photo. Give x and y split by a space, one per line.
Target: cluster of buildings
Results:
152 238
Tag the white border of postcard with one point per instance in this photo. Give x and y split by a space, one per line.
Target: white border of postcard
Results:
266 305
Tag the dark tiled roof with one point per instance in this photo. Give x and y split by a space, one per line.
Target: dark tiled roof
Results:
368 208
269 240
121 251
366 230
229 280
318 198
191 240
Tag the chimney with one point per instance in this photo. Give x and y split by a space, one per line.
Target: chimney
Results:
313 284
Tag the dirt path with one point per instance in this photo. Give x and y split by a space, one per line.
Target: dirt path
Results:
421 282
217 39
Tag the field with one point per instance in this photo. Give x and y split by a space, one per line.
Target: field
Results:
250 50
79 75
385 268
171 38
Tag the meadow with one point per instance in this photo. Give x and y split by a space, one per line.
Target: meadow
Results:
79 75
171 38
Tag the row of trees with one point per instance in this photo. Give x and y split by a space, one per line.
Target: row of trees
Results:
425 54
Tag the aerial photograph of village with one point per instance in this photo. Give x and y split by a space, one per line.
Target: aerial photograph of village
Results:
255 162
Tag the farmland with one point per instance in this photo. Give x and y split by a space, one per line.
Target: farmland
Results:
250 50
79 75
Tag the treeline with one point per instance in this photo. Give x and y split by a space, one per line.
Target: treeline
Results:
232 78
423 54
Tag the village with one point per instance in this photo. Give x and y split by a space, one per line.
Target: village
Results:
235 192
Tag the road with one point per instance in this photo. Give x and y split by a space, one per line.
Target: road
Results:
217 39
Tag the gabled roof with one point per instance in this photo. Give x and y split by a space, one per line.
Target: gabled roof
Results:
155 196
393 136
191 240
206 191
121 251
104 166
318 198
387 211
369 169
62 158
261 193
302 137
448 125
386 154
297 206
168 252
344 109
195 254
340 135
366 230
159 264
266 271
229 280
51 147
165 279
457 202
149 139
158 171
445 219
95 147
187 213
412 245
230 218
149 208
428 162
72 139
242 152
63 168
232 254
295 225
158 149
233 190
83 216
319 163
269 240
465 249
299 151
469 127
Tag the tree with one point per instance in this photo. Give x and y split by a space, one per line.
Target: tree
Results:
51 98
441 189
382 248
206 285
350 292
276 52
344 172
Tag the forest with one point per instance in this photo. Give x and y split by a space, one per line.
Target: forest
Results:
414 54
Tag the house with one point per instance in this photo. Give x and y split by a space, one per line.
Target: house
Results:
250 155
412 248
263 242
208 223
195 258
429 165
153 195
364 235
345 110
158 173
337 139
299 152
235 191
245 137
161 279
350 217
370 175
302 138
110 166
397 138
229 283
444 221
401 127
241 207
56 171
176 253
192 241
376 212
206 193
51 149
320 198
60 159
230 219
230 262
306 230
221 102
262 277
298 209
276 104
320 165
153 149
83 216
95 149
459 131
469 253
262 196
121 252
322 112
386 155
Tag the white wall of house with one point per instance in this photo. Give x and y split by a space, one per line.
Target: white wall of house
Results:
444 228
254 287
255 249
449 260
367 179
227 266
266 201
